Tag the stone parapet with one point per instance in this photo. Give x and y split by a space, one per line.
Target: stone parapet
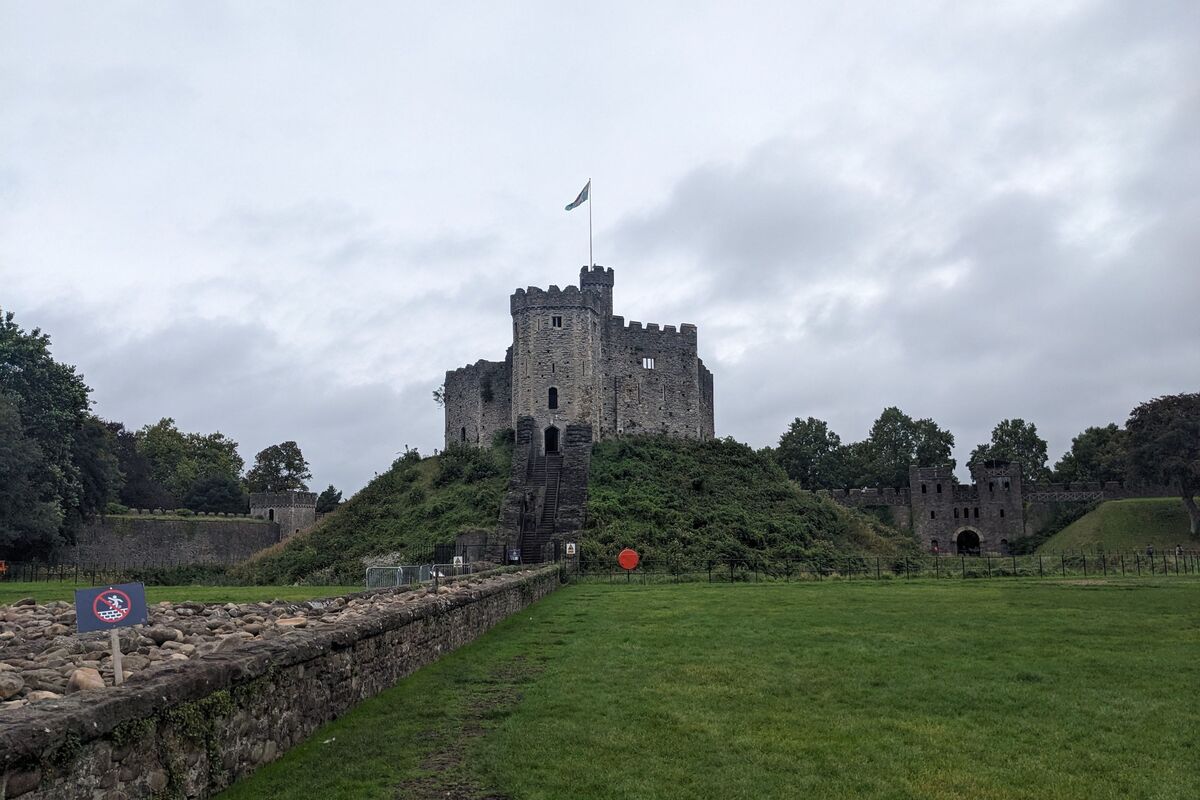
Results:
193 729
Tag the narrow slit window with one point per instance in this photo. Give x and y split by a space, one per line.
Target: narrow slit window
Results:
939 488
553 400
924 489
976 512
932 515
648 362
1002 513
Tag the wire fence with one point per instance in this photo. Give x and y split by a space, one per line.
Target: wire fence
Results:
870 567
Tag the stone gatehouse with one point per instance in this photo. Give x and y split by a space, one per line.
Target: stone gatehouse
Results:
573 362
985 516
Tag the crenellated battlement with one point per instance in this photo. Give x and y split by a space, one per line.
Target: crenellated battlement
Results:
534 297
596 276
686 331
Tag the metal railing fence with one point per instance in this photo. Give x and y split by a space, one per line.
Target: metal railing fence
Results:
870 567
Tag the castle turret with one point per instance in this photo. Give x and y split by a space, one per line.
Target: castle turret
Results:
598 281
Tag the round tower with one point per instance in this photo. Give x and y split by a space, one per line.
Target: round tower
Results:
556 354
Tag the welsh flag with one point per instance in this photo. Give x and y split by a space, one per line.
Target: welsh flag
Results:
583 196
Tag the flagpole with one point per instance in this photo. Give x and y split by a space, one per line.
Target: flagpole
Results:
591 260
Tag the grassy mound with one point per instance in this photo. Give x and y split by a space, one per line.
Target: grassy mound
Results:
1127 525
415 505
687 501
669 498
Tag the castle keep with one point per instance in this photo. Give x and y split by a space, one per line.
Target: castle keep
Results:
575 373
573 361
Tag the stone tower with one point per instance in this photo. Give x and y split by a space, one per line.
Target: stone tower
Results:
573 361
293 511
557 335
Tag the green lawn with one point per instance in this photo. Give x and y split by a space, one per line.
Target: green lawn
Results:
1021 689
45 591
1128 526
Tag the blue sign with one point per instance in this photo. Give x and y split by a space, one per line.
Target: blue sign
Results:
116 606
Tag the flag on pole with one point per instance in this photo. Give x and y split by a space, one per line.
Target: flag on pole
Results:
583 196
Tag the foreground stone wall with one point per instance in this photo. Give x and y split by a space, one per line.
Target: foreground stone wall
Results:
134 541
191 729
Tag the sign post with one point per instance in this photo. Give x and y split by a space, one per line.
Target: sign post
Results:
118 606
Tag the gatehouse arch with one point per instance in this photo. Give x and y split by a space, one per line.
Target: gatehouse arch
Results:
967 541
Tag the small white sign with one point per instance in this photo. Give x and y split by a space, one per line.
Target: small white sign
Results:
570 548
458 561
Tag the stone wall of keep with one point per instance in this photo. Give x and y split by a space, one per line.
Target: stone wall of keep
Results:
192 730
478 402
664 399
134 541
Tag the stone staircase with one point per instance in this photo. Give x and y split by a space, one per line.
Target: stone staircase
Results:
546 500
537 529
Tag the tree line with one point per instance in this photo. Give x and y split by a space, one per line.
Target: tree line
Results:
1158 445
61 465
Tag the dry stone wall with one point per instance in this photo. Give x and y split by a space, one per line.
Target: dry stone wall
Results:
206 716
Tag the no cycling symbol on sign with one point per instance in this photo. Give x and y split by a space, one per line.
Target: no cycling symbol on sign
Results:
111 606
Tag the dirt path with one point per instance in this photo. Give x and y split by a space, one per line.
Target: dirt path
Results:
446 774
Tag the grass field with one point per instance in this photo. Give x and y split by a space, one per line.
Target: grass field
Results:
1023 689
1128 526
45 591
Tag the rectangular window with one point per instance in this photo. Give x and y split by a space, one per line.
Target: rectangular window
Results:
1002 512
932 515
556 322
956 513
976 512
647 363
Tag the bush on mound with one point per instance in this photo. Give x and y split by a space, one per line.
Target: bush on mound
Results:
676 500
415 505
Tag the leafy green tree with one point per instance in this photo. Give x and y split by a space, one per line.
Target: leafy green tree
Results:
1097 454
852 464
52 401
897 442
179 460
808 453
1164 446
30 514
328 500
1018 441
139 489
279 468
76 468
99 469
216 493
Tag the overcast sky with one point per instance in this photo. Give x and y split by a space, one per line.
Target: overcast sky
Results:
287 220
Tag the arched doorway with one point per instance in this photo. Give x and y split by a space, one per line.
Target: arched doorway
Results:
552 439
968 542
